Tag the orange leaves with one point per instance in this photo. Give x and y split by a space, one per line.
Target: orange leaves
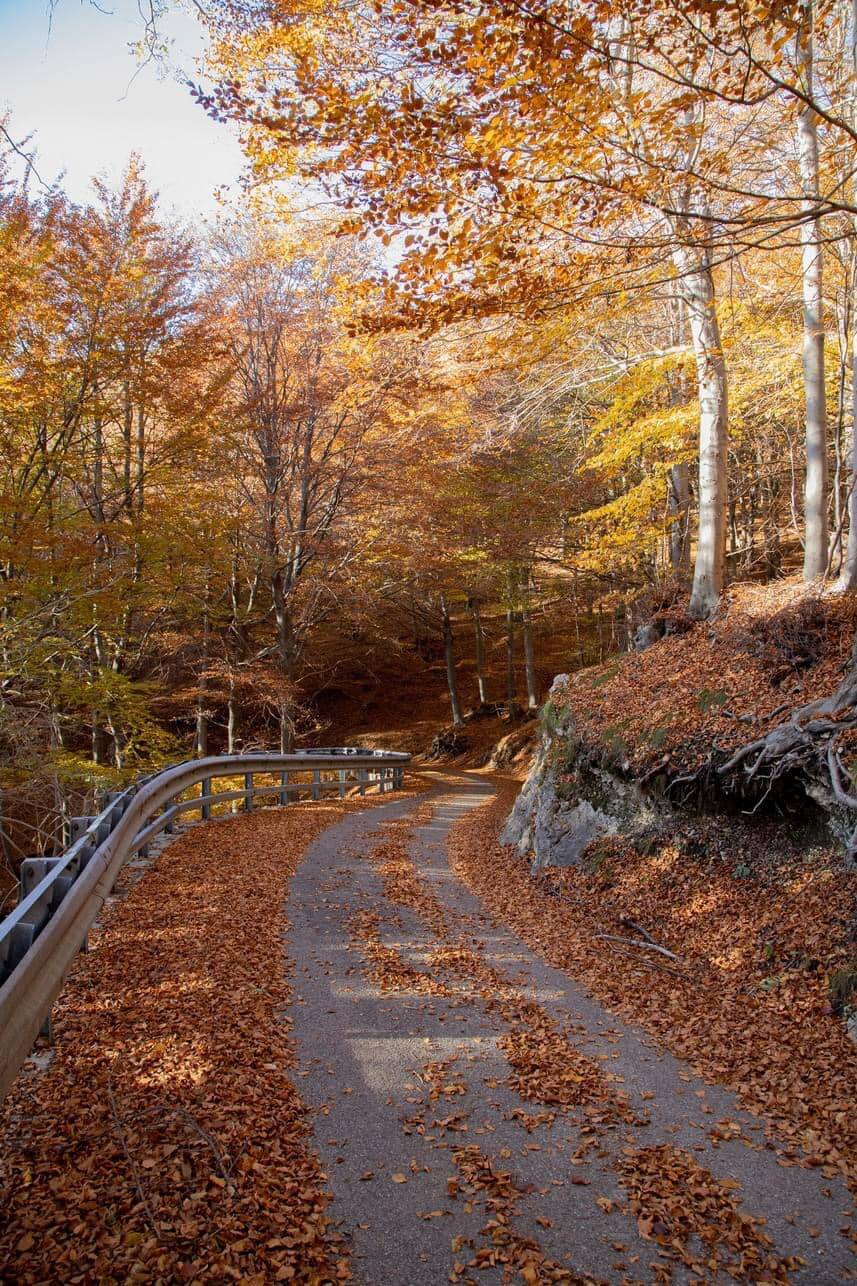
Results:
679 1204
788 1060
167 1141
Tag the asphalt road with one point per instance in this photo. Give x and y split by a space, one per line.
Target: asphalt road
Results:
411 1101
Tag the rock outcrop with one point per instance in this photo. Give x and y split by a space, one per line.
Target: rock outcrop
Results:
569 800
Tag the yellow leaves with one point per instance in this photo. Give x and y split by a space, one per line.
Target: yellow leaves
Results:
665 435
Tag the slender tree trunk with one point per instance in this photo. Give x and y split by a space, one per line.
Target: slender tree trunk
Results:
287 728
127 445
99 752
529 662
511 682
287 657
678 508
527 635
231 720
678 494
697 286
816 536
848 577
202 683
449 655
480 651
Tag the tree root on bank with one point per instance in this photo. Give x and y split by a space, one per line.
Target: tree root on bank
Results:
805 742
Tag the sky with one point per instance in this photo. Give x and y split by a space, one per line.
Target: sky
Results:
69 81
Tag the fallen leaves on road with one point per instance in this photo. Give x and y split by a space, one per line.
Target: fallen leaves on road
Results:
167 1142
495 1189
786 1057
385 967
545 1066
696 1219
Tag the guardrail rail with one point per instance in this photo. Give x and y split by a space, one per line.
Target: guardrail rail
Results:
62 895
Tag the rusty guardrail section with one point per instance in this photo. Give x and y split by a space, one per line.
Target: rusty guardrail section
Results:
61 896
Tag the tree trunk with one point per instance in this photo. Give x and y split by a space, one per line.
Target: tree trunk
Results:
527 632
816 534
848 578
99 739
678 508
448 652
287 657
480 651
231 720
678 493
287 728
202 684
697 287
511 684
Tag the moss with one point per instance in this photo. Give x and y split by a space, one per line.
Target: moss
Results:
550 718
606 675
842 987
711 699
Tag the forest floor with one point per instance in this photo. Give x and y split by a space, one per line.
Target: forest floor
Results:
708 687
451 1080
166 1141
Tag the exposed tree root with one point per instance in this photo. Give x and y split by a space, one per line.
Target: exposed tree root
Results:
805 744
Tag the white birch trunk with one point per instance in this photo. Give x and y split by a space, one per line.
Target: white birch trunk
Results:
816 535
697 287
848 578
449 657
678 501
480 647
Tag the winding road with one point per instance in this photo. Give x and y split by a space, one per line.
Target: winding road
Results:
451 1155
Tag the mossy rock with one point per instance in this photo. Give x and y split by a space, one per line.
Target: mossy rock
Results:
842 987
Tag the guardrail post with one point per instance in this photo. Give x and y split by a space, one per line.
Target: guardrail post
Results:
342 779
205 806
76 827
284 794
362 778
316 784
398 778
31 871
248 791
170 825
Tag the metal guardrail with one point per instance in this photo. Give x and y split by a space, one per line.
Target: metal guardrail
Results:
61 896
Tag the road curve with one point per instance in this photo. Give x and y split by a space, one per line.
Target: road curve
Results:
412 1020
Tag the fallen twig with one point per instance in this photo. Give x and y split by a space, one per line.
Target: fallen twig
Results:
645 960
638 928
641 946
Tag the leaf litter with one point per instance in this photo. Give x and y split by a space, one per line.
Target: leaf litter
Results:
167 1141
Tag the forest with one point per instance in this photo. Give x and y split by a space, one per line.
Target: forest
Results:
471 487
528 325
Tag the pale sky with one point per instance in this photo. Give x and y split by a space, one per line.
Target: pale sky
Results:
68 82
